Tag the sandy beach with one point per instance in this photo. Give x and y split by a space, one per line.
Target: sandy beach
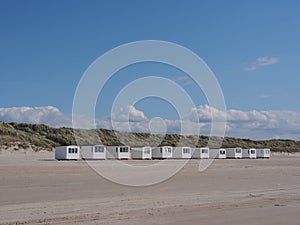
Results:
35 189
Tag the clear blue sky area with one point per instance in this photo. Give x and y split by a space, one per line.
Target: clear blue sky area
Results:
252 47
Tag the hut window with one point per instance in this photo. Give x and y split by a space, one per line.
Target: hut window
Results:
238 150
147 151
204 150
123 149
99 149
222 152
186 150
252 151
72 150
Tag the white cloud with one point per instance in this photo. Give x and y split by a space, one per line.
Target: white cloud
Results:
261 61
250 67
38 115
265 60
205 113
252 124
129 113
268 124
266 96
184 80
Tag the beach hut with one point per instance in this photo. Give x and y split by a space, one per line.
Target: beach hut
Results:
118 152
182 153
249 153
93 152
200 153
67 152
219 153
234 153
162 152
141 152
263 153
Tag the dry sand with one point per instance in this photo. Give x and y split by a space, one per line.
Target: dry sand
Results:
35 189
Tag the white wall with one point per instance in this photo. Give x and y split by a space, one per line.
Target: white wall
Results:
141 152
116 152
67 152
179 153
162 152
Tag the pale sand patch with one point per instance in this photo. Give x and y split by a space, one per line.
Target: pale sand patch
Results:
35 189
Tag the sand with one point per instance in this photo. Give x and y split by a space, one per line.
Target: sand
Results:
35 189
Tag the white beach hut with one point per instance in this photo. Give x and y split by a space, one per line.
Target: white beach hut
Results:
182 153
67 152
118 152
200 153
249 153
141 152
219 153
93 152
263 153
234 153
162 152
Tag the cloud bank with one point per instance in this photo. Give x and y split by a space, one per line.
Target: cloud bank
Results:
49 115
245 124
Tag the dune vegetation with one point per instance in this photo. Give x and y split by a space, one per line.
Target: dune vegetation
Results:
42 137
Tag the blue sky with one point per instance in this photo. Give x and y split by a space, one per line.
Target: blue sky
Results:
251 46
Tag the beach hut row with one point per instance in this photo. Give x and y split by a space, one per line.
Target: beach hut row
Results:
93 152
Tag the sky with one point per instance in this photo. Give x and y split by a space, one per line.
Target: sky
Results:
252 48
